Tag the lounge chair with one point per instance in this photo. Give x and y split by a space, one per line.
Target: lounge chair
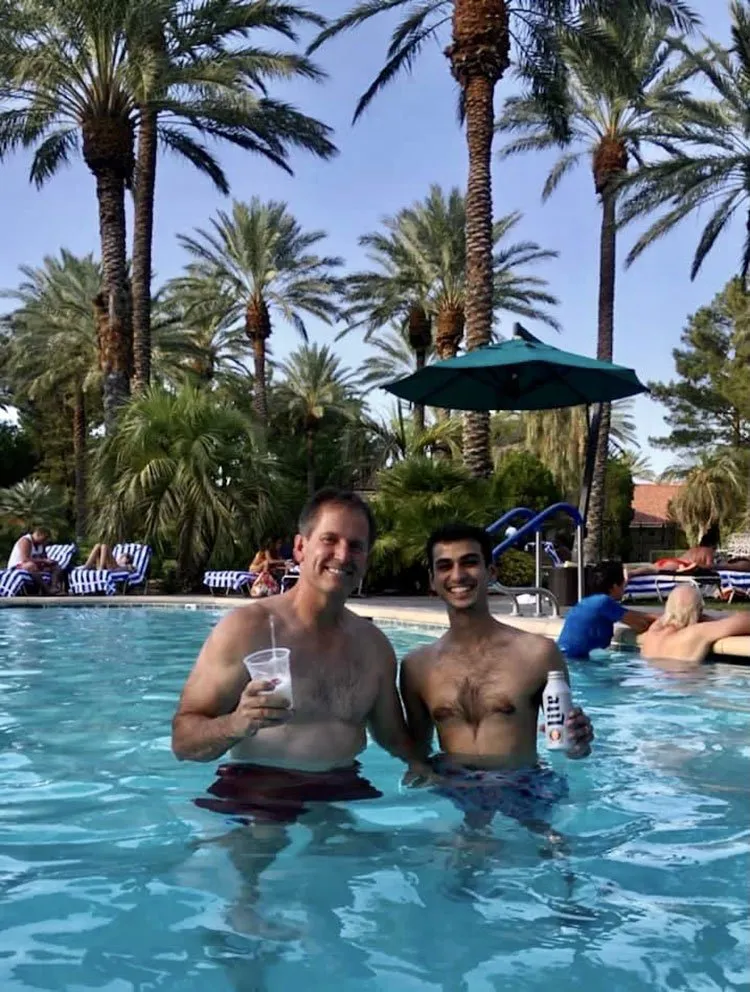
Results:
229 581
84 581
658 585
17 581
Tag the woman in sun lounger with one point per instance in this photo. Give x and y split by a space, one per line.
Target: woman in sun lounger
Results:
101 557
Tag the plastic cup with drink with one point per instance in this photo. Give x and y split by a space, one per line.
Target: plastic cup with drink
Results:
272 664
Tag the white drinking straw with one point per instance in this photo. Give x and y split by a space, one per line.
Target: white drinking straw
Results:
272 624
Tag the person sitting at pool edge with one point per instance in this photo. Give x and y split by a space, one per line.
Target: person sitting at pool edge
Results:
590 624
343 682
480 685
683 633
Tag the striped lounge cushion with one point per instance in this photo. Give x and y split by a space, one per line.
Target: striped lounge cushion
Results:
228 579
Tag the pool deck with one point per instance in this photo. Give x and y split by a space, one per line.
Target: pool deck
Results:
405 610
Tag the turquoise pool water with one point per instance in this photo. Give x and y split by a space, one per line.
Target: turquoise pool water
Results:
111 879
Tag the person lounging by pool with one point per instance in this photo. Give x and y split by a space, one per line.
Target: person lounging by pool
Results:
684 633
480 686
343 682
101 557
590 624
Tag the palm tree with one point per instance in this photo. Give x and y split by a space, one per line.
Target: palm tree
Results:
68 85
182 469
485 37
31 502
199 81
421 266
395 357
715 173
712 495
314 384
399 439
54 347
198 344
614 108
259 260
559 438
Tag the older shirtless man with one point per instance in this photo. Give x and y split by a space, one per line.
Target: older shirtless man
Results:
343 677
481 687
684 634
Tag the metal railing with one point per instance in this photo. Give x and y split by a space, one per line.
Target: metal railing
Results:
533 527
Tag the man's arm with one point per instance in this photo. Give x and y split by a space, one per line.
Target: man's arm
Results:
639 622
418 718
386 719
219 707
736 625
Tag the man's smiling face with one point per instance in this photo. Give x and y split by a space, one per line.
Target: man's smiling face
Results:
460 576
333 556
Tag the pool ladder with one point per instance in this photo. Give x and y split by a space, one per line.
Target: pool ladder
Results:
538 591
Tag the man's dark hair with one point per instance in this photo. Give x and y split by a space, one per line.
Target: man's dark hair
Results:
605 576
450 533
331 496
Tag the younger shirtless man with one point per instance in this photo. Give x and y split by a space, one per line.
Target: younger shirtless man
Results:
481 686
343 682
683 634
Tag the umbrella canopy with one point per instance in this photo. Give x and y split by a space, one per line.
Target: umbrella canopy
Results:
517 375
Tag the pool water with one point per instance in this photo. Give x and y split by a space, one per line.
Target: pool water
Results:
111 879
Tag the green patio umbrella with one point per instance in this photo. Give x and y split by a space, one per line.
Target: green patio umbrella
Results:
517 375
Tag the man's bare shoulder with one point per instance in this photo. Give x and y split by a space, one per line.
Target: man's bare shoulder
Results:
235 631
422 655
369 636
534 646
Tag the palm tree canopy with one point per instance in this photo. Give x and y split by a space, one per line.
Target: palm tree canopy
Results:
197 342
315 383
204 77
420 257
261 252
709 149
393 358
532 24
617 105
53 330
75 75
182 464
68 83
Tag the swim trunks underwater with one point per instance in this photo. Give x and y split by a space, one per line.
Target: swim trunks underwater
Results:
524 794
280 795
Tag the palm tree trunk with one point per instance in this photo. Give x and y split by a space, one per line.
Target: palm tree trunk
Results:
607 269
79 459
110 191
143 233
418 412
310 455
479 93
259 361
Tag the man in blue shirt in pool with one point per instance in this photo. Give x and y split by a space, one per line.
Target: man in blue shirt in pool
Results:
591 622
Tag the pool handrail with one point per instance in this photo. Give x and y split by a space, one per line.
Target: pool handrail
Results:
534 526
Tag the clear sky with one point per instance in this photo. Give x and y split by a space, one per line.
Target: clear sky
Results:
407 140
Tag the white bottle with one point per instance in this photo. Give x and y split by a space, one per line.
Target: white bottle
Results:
557 703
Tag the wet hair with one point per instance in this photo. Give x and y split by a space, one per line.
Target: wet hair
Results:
604 576
331 496
451 533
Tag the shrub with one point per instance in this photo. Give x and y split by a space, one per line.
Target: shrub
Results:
515 568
